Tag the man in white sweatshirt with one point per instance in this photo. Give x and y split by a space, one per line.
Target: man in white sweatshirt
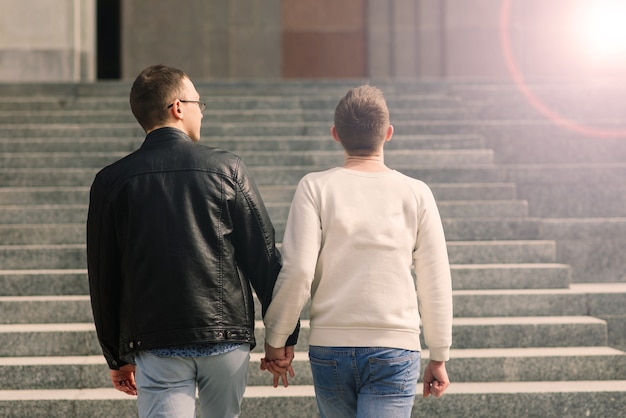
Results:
353 235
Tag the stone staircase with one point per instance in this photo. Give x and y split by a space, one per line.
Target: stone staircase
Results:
539 290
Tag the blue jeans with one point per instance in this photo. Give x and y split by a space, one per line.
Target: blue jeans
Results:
364 382
166 386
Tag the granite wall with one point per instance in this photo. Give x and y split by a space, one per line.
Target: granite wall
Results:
43 40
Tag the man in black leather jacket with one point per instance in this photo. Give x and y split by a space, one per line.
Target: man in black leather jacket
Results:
177 238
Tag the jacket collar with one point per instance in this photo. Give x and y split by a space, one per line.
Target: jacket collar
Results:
165 134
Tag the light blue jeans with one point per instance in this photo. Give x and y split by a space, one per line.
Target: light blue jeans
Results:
364 382
166 386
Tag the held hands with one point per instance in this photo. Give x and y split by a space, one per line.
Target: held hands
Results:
277 361
124 379
435 379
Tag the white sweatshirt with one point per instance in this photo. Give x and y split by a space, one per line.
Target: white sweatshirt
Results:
351 241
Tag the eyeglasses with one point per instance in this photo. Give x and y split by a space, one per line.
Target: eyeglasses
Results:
200 103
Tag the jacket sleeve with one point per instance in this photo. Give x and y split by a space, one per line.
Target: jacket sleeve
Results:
258 257
103 266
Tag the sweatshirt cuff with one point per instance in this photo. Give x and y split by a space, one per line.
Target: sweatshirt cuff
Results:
438 353
274 339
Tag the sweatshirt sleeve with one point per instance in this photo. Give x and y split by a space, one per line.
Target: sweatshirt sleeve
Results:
301 244
434 283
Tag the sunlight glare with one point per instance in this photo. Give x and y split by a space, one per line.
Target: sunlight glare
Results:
605 29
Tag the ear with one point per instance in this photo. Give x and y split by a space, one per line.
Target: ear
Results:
176 111
333 132
389 133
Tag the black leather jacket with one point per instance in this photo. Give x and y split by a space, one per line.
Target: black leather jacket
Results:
176 234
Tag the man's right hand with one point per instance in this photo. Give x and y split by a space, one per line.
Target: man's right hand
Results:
277 361
435 379
124 379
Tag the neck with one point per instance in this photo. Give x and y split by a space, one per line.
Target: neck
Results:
372 163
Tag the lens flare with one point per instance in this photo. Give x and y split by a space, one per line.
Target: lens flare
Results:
533 99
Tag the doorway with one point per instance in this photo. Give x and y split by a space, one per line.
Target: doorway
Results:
109 39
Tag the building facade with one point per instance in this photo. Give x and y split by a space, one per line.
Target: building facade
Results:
86 40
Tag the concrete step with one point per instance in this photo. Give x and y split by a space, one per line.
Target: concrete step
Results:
513 251
28 214
270 193
56 339
602 398
74 306
601 200
484 229
63 214
52 115
224 87
54 160
483 209
406 100
315 94
593 247
45 309
486 365
75 130
482 173
51 309
495 209
402 111
42 251
505 332
559 199
573 102
44 177
248 101
577 299
77 195
119 113
526 332
602 300
263 175
511 111
443 192
49 282
62 144
42 214
437 158
510 276
533 364
79 339
65 103
49 257
219 129
566 174
519 143
527 399
572 190
42 234
44 282
238 144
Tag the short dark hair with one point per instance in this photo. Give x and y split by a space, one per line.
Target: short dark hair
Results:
361 120
154 88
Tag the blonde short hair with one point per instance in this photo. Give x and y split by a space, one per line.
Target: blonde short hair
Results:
361 120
